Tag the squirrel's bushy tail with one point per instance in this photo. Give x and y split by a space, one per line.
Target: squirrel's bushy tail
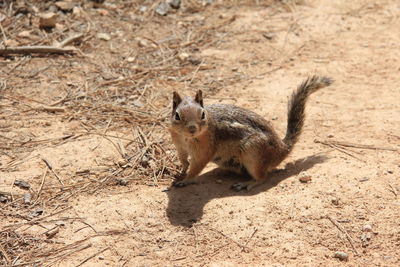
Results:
296 107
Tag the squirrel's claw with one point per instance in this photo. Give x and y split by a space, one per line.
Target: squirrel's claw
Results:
239 186
183 183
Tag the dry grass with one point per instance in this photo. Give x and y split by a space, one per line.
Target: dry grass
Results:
106 87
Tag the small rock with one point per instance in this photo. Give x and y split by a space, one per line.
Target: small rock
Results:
3 199
108 76
162 9
207 2
274 118
194 60
343 256
11 43
47 20
335 201
268 35
305 178
365 238
145 43
390 171
65 5
183 56
364 179
37 212
330 136
52 9
60 27
218 181
104 36
27 198
130 59
60 223
24 34
22 184
174 3
77 11
367 228
145 161
122 182
101 257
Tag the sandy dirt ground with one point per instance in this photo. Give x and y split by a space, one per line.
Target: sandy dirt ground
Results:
119 215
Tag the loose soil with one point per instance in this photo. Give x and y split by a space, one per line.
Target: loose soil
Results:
109 146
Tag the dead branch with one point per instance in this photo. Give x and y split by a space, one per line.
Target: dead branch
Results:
61 48
341 228
55 174
71 39
37 49
92 256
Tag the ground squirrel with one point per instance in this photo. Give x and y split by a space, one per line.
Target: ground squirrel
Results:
234 138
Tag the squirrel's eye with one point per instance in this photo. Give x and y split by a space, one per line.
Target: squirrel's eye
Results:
177 116
203 115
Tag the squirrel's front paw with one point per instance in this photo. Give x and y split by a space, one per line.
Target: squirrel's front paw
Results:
184 183
180 176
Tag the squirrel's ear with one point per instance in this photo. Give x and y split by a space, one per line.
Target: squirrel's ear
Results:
176 100
199 97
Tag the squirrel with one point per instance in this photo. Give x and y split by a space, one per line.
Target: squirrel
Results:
234 138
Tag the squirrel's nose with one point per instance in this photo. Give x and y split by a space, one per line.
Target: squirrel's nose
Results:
192 129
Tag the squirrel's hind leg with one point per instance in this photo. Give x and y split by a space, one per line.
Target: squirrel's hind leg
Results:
258 157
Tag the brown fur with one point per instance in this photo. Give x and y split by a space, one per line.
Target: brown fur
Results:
234 138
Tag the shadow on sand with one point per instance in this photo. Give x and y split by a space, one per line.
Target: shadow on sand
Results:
185 205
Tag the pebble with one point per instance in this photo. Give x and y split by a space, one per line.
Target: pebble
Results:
22 184
65 5
194 60
3 198
183 56
11 42
104 36
37 212
162 9
24 34
367 228
218 181
174 3
122 182
130 59
47 20
27 198
145 43
77 11
343 256
60 223
268 35
101 258
335 201
305 178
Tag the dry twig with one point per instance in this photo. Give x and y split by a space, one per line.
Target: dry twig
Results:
345 233
92 256
55 174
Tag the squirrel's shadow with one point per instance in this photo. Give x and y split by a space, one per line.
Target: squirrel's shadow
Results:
185 205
